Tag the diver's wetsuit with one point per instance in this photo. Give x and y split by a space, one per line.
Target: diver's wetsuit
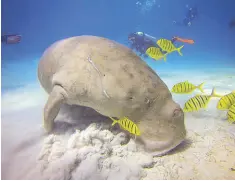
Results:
141 42
190 16
11 39
3 39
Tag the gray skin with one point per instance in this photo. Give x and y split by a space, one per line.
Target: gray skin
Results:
110 78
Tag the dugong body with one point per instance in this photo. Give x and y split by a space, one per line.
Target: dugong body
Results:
104 75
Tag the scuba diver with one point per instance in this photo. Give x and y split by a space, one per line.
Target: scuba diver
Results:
11 38
140 42
191 14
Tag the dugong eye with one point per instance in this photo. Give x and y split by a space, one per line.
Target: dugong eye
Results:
177 112
129 98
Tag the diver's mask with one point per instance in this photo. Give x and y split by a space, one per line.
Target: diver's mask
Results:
140 33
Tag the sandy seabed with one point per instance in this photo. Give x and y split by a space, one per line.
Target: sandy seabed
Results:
87 147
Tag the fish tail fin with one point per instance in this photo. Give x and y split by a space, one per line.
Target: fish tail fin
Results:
200 87
164 57
214 94
114 121
179 50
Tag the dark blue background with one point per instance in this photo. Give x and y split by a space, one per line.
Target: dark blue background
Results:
43 22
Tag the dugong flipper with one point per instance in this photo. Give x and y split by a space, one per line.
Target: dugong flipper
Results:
52 107
110 78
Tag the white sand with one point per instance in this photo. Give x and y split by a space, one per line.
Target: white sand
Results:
96 153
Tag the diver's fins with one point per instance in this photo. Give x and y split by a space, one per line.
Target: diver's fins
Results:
189 41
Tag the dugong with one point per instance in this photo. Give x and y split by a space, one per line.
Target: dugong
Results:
110 78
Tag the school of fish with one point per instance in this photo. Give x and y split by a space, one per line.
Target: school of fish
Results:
195 103
226 102
166 46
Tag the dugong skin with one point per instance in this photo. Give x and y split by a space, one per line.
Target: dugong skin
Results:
110 78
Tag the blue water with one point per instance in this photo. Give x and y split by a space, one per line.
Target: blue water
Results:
43 22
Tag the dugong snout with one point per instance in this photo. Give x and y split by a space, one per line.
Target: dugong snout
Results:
167 128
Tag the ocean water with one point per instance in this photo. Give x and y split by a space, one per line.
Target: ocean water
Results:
27 153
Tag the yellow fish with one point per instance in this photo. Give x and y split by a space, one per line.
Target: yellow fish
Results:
231 114
199 101
155 53
168 46
186 87
127 125
226 101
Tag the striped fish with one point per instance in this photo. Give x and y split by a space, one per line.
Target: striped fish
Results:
155 53
186 88
127 125
231 114
226 101
168 46
199 101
